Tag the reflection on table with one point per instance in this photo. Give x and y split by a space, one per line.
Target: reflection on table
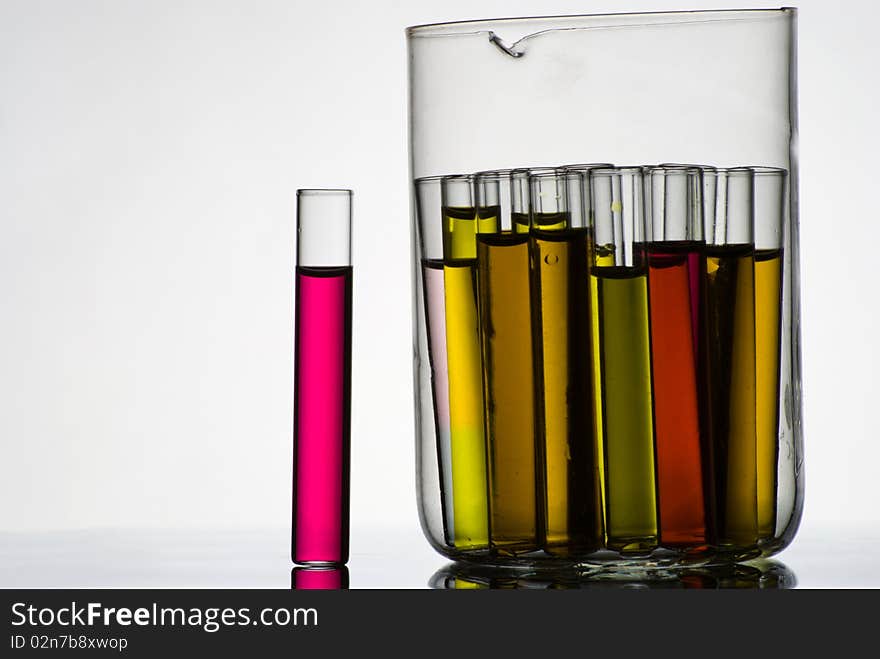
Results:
765 574
319 578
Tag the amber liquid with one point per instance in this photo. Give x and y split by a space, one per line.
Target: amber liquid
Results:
570 496
676 408
505 327
730 404
768 299
624 373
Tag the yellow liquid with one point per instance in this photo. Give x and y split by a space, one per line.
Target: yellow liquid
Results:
462 583
598 422
562 326
730 364
624 365
460 228
466 420
467 441
503 277
768 289
520 222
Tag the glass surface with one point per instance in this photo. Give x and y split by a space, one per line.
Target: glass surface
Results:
589 294
322 378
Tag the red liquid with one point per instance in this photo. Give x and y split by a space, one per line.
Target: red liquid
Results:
322 415
696 267
676 408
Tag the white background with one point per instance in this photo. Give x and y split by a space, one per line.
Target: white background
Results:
149 155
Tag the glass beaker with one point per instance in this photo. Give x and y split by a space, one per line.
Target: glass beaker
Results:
508 107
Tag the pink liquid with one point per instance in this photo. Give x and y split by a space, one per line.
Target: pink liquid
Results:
322 415
435 317
319 578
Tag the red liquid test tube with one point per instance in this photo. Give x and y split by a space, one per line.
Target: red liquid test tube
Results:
322 378
676 260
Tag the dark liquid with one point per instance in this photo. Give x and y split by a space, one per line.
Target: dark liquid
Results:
728 355
571 497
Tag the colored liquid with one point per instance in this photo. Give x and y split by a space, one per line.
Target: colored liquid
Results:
624 363
503 276
520 222
730 394
598 421
308 578
676 409
696 266
768 299
322 415
578 406
460 228
462 583
545 222
466 419
435 319
562 329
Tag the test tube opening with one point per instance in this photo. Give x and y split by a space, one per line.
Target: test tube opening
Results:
323 227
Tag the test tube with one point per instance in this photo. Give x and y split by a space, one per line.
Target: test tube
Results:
461 226
770 195
559 239
728 361
625 415
676 261
322 378
506 341
432 236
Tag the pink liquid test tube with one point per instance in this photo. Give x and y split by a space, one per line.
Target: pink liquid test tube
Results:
322 378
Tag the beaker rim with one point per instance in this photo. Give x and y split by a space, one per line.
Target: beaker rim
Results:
453 28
